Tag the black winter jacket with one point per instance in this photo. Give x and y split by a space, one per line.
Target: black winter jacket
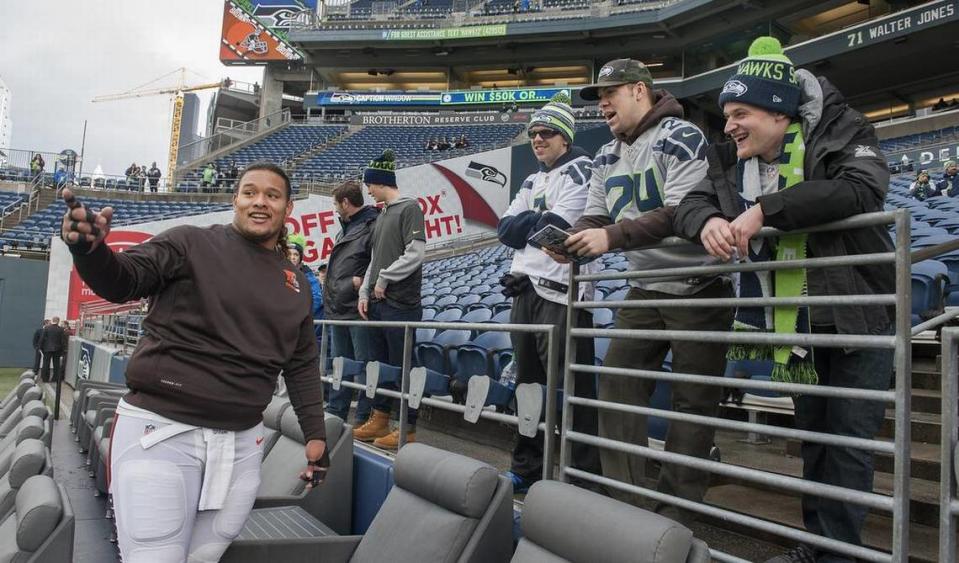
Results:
350 257
846 175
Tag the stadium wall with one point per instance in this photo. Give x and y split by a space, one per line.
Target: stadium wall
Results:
23 284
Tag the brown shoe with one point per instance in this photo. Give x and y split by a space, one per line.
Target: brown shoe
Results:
377 426
392 440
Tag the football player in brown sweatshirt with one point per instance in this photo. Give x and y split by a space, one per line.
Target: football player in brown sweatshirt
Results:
228 314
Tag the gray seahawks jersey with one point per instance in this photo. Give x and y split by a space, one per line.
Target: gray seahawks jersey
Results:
660 167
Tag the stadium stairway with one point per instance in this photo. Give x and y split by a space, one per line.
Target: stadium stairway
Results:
307 155
46 198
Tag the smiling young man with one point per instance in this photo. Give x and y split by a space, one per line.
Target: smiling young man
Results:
392 288
185 454
555 195
654 160
798 156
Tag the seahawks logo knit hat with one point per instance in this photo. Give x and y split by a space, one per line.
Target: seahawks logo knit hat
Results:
557 115
382 170
765 79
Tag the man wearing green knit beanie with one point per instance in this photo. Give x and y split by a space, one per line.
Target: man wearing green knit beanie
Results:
797 157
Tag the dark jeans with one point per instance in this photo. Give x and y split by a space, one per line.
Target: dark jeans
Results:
37 356
386 346
688 357
56 359
842 467
531 354
351 342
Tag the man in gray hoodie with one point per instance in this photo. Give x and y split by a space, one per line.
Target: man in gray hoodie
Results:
392 287
638 179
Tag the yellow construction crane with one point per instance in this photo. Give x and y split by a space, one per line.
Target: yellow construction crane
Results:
176 97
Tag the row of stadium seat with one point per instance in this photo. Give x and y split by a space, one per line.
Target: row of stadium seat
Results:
35 231
36 517
918 140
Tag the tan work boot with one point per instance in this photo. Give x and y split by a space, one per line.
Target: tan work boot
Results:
392 440
377 426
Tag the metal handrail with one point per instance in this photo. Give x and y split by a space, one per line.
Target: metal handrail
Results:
897 504
949 437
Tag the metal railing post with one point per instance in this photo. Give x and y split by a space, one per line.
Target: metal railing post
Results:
947 450
552 365
903 374
569 383
408 335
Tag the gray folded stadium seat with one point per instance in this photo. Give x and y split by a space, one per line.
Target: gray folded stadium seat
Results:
40 529
271 422
94 415
563 523
30 458
85 386
31 427
30 407
443 507
25 391
14 395
280 484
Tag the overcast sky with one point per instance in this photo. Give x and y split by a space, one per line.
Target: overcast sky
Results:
59 54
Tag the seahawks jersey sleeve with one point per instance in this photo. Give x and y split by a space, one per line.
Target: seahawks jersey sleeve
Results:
681 149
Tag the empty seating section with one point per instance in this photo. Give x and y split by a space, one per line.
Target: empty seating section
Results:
919 140
10 202
35 231
281 146
347 158
934 221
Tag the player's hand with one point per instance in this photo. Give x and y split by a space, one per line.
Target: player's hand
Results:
362 307
379 293
591 242
82 226
357 282
317 463
746 226
718 238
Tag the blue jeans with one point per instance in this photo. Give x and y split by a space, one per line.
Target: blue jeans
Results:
352 342
843 467
386 346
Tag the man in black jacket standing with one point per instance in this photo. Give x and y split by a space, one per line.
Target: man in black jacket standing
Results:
799 157
37 354
53 342
344 274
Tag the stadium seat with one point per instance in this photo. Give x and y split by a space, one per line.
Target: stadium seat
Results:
482 355
442 507
280 484
41 526
439 354
929 279
30 457
598 529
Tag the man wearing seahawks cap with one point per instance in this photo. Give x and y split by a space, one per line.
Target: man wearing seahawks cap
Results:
798 157
638 179
554 195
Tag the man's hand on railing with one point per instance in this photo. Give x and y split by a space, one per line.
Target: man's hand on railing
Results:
746 226
718 238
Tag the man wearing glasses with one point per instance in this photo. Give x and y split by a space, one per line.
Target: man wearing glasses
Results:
555 195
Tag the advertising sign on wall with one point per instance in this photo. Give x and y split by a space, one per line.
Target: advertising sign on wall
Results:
247 40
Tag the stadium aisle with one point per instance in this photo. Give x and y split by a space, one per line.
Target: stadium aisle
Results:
93 529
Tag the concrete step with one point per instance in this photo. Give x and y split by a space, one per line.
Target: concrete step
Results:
786 509
927 400
924 464
924 426
776 457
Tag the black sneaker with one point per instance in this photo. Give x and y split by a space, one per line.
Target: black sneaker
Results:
798 554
